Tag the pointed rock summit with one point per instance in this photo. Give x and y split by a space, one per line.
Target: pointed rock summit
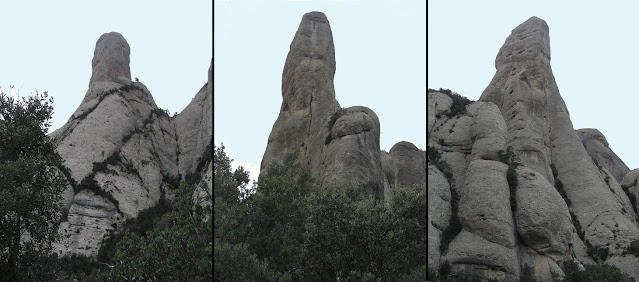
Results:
111 59
123 153
339 145
562 207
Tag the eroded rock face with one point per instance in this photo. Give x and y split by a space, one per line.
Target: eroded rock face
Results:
522 109
439 210
543 219
597 147
407 165
120 144
340 146
541 133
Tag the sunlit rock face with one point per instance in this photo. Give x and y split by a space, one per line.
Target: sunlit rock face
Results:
123 152
558 177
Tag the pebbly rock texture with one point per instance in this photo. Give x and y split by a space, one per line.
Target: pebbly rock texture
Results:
557 192
597 147
340 146
629 185
122 152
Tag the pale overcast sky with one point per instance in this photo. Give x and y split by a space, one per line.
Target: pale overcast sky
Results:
48 45
593 57
380 51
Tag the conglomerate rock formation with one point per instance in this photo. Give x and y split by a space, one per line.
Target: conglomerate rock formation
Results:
530 194
340 146
122 152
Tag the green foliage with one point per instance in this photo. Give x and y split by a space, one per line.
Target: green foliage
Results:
233 262
185 250
527 274
633 248
577 224
30 187
454 225
147 219
599 254
287 228
459 102
416 275
511 176
434 157
277 214
594 273
346 232
508 157
203 160
89 183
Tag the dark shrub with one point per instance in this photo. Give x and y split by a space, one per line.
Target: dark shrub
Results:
511 176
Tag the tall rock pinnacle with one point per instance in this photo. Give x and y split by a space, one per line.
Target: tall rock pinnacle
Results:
338 145
543 138
111 59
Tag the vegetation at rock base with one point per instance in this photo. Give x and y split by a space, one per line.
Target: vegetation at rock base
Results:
633 248
184 250
599 254
287 228
632 197
30 187
511 177
594 273
459 102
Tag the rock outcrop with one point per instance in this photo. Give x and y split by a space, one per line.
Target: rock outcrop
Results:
597 147
340 146
122 152
530 193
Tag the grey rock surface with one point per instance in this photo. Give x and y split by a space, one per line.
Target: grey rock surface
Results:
439 211
120 139
111 59
484 203
541 133
408 165
471 254
598 148
339 146
542 216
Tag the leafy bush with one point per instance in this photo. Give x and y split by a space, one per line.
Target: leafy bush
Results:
633 248
575 222
594 273
508 157
599 254
459 102
454 225
511 176
527 274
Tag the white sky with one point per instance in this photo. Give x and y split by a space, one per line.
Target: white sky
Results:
380 51
48 45
593 57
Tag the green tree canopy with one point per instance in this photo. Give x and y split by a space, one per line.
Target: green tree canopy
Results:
30 187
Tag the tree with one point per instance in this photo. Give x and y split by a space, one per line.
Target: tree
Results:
184 251
30 186
354 238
